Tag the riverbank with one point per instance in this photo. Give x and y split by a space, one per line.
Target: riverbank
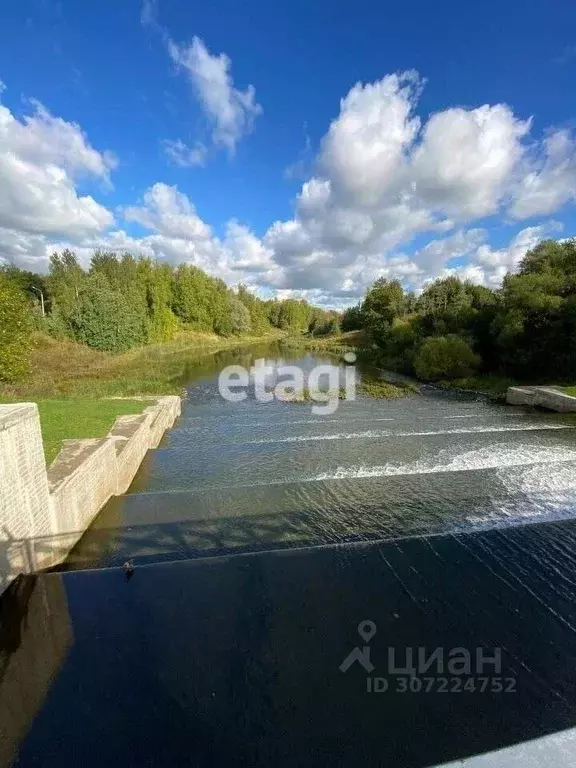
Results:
493 385
73 384
337 344
66 369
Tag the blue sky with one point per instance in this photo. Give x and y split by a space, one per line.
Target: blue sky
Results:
290 146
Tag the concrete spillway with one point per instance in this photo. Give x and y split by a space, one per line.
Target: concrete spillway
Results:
545 397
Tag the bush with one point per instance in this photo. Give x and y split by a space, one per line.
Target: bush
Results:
236 318
163 325
15 330
445 357
104 319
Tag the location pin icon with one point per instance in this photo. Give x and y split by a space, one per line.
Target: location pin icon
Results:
366 630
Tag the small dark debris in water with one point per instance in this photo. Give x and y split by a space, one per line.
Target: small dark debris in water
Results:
128 569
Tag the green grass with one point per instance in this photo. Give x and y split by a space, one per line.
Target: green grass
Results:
384 390
488 383
307 396
337 344
69 419
570 391
63 368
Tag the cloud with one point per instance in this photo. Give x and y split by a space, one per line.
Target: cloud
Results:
488 267
148 13
43 139
230 112
170 212
383 177
389 194
548 178
180 235
463 163
183 155
42 159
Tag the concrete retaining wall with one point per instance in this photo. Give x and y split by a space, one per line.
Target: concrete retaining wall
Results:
545 397
44 513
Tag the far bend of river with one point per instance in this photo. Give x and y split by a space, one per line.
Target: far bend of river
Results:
251 476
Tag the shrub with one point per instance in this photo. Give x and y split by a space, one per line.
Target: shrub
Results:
104 319
445 357
235 320
15 330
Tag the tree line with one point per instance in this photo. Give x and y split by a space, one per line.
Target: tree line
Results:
525 330
122 301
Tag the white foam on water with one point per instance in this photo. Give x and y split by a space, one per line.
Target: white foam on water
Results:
388 433
278 422
489 457
557 478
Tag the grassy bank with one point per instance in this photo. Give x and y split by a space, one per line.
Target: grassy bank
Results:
488 383
71 382
69 419
65 369
387 390
75 419
337 344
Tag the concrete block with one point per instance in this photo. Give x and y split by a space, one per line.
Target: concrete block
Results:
546 397
520 396
81 480
43 513
24 499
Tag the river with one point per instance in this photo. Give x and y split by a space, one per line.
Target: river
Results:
393 584
252 476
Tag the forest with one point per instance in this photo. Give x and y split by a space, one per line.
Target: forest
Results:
122 301
454 330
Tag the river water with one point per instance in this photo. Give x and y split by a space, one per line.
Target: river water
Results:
251 476
265 539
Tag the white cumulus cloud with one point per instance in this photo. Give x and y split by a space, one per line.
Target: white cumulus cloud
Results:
230 111
549 178
390 194
383 177
42 159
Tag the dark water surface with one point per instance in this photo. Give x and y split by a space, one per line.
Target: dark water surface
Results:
263 535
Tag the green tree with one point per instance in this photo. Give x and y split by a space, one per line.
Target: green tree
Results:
103 319
65 280
237 315
33 285
259 322
446 296
383 304
352 319
15 329
445 358
294 315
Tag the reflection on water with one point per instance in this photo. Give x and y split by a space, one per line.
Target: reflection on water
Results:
35 637
235 661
